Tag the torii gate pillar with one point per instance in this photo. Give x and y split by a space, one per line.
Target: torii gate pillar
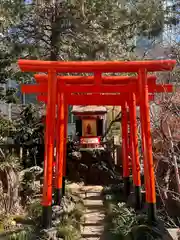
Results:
49 150
147 147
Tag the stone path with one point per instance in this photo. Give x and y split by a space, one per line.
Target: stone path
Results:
93 228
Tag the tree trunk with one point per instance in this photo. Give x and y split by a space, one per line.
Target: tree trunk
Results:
54 35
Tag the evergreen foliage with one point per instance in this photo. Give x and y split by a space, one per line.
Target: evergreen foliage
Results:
82 30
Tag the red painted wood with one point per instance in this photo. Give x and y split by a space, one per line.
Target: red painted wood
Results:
134 141
93 100
124 124
60 130
40 78
146 138
42 88
93 66
65 137
49 140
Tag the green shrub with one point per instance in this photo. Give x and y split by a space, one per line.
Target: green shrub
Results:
124 223
68 232
26 234
123 219
70 227
35 210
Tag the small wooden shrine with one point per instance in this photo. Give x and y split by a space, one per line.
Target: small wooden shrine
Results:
90 125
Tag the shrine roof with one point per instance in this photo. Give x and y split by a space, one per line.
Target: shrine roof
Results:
89 109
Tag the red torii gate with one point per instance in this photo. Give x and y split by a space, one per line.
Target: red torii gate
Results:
56 94
104 100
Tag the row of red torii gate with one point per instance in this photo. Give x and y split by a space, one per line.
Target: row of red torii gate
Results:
126 91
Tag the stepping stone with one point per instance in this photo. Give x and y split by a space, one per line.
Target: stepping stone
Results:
92 188
93 194
93 228
93 203
95 218
174 233
91 238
